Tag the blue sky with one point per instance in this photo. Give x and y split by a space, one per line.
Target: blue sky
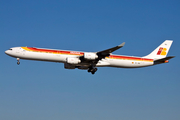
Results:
44 90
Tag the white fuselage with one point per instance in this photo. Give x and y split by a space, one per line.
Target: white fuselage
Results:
61 56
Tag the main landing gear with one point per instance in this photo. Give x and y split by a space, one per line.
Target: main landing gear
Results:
92 70
18 61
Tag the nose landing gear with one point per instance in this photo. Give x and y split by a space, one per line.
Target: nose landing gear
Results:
18 61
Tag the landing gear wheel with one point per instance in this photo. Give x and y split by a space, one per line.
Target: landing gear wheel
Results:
89 70
18 61
92 69
93 72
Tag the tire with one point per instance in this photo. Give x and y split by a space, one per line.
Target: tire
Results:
93 72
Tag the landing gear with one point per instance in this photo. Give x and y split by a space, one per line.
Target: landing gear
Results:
92 70
18 61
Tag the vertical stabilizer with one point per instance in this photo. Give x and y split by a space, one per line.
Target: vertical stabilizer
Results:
161 51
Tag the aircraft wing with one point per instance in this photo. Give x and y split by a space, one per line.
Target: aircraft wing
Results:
107 52
100 55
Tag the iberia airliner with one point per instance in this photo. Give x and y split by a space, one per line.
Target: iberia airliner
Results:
91 60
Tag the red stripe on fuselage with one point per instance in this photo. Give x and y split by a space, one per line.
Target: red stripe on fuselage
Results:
55 51
129 58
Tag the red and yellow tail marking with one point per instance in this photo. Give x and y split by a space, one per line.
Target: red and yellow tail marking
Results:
162 51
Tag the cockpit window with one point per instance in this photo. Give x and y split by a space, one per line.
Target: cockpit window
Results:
10 49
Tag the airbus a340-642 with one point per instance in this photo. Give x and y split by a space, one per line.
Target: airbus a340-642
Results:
91 60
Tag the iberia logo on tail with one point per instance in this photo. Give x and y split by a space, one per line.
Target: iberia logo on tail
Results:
162 51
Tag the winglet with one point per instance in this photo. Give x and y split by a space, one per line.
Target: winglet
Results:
116 48
121 45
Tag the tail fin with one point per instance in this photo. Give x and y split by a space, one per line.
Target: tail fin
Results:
161 51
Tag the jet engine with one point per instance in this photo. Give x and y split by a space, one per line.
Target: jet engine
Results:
73 60
90 56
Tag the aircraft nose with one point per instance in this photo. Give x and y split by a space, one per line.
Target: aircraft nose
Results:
7 51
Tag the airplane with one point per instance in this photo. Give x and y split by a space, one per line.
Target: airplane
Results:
91 60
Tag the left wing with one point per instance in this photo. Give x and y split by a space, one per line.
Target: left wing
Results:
94 57
107 52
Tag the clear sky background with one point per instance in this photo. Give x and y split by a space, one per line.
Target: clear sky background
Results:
46 91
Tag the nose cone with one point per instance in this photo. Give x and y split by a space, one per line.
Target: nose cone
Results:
6 52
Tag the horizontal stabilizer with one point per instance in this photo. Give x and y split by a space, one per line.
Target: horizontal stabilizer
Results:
163 60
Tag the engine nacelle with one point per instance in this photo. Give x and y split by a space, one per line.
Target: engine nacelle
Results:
73 60
90 56
68 66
